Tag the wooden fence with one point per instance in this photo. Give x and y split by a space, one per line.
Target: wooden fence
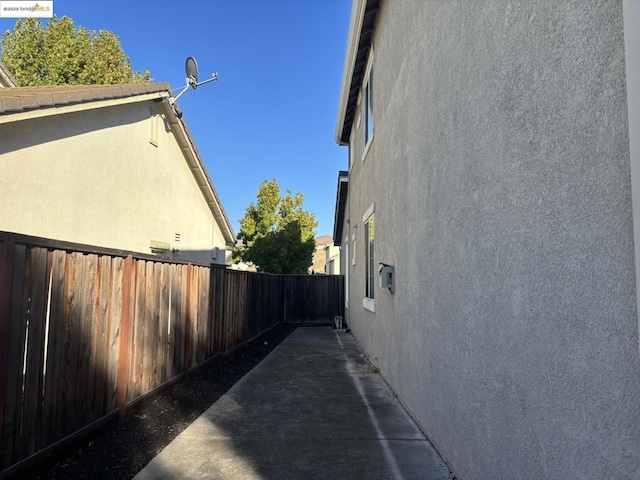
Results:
312 299
86 333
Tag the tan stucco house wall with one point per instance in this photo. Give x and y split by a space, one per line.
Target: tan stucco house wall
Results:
118 170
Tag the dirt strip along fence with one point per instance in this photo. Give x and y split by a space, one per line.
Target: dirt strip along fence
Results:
86 333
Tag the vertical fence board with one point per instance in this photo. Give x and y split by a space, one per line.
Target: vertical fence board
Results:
72 302
176 320
137 345
7 253
116 299
182 326
230 308
170 341
14 359
116 294
204 323
83 332
101 336
205 313
242 318
238 320
196 323
46 358
89 340
210 318
150 330
21 319
32 407
156 358
217 277
124 340
162 359
54 362
188 320
56 377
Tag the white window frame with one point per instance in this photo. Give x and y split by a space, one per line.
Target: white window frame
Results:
367 106
350 147
369 271
353 244
346 270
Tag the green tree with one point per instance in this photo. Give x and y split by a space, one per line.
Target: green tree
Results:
277 233
61 54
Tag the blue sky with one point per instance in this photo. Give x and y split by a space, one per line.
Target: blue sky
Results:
272 113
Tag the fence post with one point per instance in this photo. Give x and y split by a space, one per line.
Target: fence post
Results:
125 331
187 322
6 277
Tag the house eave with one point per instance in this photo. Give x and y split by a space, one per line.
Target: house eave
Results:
361 28
194 160
341 203
6 79
48 112
26 103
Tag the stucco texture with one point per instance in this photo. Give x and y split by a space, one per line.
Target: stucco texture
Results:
94 177
500 176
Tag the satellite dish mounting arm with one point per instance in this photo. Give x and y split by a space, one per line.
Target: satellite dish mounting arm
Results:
191 68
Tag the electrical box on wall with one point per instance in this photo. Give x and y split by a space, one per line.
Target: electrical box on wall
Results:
387 277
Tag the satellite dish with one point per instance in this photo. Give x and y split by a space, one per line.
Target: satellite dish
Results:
191 70
191 67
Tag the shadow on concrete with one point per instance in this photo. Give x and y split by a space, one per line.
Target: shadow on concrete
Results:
314 408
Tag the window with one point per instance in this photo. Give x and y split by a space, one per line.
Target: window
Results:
346 271
367 106
368 109
369 267
368 219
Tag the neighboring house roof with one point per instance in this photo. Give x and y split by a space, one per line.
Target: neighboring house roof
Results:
363 17
324 240
6 79
341 204
33 102
23 103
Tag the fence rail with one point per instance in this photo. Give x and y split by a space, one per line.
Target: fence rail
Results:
86 332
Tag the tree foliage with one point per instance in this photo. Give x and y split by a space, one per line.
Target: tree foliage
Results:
61 54
278 234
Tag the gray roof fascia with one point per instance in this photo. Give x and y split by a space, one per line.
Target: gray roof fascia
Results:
341 203
361 29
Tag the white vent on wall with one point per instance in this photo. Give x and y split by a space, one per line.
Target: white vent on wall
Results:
159 247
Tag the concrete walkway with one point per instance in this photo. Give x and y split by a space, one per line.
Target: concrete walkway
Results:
313 409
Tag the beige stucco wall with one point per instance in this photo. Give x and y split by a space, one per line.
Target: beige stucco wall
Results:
501 177
332 259
95 178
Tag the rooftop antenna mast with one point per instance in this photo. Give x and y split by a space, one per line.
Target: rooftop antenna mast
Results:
191 68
